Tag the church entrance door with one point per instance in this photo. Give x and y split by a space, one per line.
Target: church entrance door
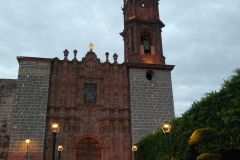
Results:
88 149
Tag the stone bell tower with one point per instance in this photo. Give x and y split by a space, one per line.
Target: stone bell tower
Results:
151 97
142 32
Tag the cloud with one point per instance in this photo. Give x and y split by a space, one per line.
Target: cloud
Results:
201 37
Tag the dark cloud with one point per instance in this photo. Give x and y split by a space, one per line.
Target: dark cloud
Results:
201 37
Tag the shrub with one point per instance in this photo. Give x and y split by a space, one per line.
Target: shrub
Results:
209 156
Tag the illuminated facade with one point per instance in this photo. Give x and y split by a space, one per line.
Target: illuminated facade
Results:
102 108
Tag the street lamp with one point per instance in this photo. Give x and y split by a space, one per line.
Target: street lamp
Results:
134 149
60 149
27 142
55 128
166 130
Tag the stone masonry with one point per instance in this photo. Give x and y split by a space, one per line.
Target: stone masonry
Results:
151 101
7 100
130 100
30 110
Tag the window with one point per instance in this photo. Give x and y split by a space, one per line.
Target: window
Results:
90 93
149 75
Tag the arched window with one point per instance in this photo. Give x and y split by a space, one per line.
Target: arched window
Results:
146 42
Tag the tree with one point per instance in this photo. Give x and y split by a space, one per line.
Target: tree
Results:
152 147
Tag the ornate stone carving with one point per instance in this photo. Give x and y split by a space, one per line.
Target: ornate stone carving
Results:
65 52
127 146
4 140
49 140
115 57
71 141
107 142
127 142
103 119
107 55
75 55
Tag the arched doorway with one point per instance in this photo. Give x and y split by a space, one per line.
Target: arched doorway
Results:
88 149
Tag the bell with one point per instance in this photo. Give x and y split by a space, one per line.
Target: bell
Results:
146 50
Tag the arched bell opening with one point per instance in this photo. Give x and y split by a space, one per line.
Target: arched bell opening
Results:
146 43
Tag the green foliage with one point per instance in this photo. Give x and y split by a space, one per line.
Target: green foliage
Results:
151 148
210 125
209 156
179 138
204 140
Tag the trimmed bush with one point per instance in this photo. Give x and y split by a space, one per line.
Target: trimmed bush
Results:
209 156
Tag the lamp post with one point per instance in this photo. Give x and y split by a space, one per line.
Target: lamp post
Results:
134 149
166 130
60 149
27 142
55 128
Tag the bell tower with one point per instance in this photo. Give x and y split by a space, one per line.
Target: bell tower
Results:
142 32
150 90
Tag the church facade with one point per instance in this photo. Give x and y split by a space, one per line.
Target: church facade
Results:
102 108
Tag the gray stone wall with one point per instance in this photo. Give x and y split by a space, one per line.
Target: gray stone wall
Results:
30 110
151 101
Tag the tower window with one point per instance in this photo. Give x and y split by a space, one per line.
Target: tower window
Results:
90 93
149 75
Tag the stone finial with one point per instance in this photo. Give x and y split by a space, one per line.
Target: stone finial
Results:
90 47
65 52
75 54
115 57
107 54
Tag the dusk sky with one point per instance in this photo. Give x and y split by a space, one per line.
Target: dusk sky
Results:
202 38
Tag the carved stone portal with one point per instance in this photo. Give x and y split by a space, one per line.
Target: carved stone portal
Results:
91 129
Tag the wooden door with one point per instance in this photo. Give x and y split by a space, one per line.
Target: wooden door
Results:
88 149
